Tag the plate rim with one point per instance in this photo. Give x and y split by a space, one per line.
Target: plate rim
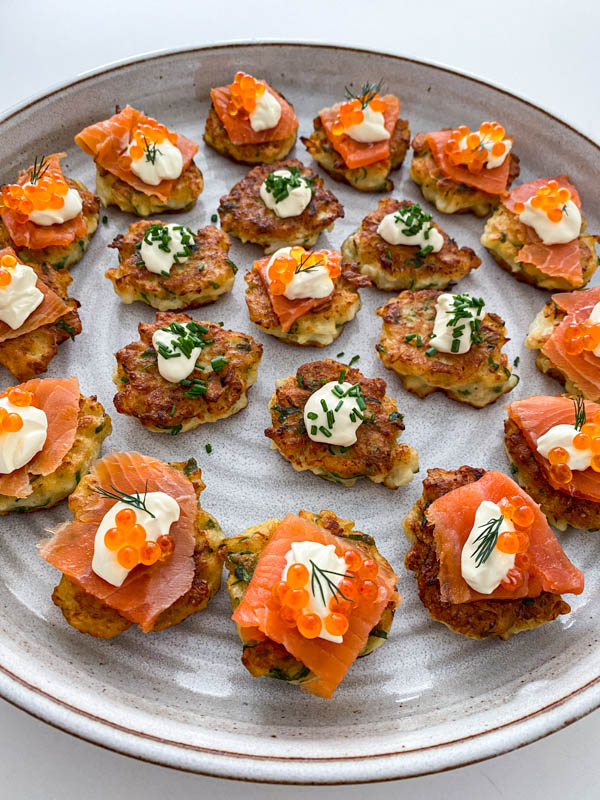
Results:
211 762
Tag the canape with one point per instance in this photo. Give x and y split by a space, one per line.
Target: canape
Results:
360 141
459 170
142 167
310 594
140 548
537 235
250 122
436 341
183 373
485 559
46 217
399 246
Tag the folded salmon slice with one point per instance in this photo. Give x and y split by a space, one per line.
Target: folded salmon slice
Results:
58 398
535 416
453 515
328 660
148 590
492 181
107 140
239 129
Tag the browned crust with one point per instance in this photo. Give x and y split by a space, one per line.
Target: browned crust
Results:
480 619
216 136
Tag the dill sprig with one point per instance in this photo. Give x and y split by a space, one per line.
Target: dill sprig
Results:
486 541
318 574
368 92
136 500
280 186
151 151
580 416
39 169
301 268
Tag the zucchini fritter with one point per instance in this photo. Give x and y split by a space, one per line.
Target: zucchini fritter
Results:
400 266
216 136
480 619
540 331
163 406
477 377
244 215
377 454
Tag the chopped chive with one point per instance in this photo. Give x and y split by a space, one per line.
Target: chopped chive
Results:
214 218
312 415
325 432
430 352
342 376
313 430
339 355
353 360
409 337
299 380
208 448
105 220
218 363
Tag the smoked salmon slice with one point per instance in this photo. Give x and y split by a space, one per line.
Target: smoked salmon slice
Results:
37 237
492 181
534 417
452 516
58 398
148 590
239 129
361 154
582 369
106 141
257 609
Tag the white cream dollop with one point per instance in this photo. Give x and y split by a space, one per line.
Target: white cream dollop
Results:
178 366
371 129
21 297
178 240
487 576
166 511
314 282
267 112
550 232
325 557
443 337
71 207
17 448
296 201
391 226
167 163
345 419
562 436
492 161
595 317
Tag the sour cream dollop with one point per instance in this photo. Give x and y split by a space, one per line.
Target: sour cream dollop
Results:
18 448
178 366
165 245
21 297
166 511
487 576
391 230
72 206
315 282
294 203
332 416
162 162
267 112
562 436
371 129
550 232
445 335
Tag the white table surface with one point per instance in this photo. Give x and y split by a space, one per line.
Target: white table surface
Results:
544 50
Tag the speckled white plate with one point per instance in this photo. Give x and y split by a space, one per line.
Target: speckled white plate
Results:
429 699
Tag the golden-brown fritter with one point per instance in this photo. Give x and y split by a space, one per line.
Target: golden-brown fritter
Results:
373 177
63 256
115 192
377 454
480 619
217 137
93 426
504 235
477 377
241 554
400 266
244 215
28 355
163 406
89 615
203 278
318 327
447 195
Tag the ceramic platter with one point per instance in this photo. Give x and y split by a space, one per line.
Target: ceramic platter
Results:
429 699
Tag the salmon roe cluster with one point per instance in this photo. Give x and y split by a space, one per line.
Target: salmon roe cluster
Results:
46 190
7 264
282 270
128 540
351 113
549 198
469 148
516 510
13 422
245 92
580 336
586 438
293 598
148 134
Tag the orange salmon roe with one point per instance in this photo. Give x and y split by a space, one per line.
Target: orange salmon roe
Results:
475 155
368 591
595 463
166 544
581 336
150 553
245 93
309 625
508 543
278 591
296 598
128 540
353 560
561 473
549 198
282 270
513 580
297 576
12 423
128 557
336 624
7 264
524 516
125 518
351 113
558 455
19 397
46 191
114 538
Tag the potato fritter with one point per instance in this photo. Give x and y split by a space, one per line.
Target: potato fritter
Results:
115 192
90 615
216 136
373 177
504 235
477 377
401 266
318 327
203 278
63 256
480 619
447 195
93 426
241 554
377 454
28 355
167 407
244 214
